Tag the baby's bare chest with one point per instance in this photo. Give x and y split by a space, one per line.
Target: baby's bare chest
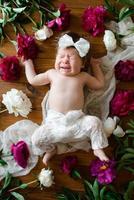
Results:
67 83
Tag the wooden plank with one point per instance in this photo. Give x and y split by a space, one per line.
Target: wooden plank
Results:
45 61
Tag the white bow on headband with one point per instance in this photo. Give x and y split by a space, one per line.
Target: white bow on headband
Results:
82 45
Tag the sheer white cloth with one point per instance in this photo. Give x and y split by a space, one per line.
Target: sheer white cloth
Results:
97 102
21 130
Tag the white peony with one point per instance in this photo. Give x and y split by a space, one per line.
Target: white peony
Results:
43 33
46 177
118 132
109 126
17 102
109 40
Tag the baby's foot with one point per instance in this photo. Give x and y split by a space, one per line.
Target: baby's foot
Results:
48 156
101 155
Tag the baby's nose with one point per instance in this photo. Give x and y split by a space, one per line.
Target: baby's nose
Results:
66 59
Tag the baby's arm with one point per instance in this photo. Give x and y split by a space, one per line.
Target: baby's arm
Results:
97 80
32 77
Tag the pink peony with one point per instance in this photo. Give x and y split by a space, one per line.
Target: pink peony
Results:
122 102
20 153
27 47
61 22
93 20
104 171
124 70
9 68
68 164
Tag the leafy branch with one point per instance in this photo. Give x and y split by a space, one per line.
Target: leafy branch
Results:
125 149
120 14
18 12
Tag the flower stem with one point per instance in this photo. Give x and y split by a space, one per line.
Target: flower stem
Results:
30 18
2 111
20 185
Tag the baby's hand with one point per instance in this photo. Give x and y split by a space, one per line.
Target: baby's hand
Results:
95 62
23 61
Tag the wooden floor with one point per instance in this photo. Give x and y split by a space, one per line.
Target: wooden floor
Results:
44 61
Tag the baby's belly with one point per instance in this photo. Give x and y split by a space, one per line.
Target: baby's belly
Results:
63 104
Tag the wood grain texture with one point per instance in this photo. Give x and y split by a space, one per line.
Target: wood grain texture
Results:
45 60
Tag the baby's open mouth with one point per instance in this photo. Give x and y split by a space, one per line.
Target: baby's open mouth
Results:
65 67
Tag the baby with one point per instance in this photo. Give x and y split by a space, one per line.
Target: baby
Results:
66 127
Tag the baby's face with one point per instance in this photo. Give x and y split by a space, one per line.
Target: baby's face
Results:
68 62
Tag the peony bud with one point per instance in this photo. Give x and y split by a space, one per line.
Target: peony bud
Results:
119 132
109 40
109 126
46 177
116 119
43 33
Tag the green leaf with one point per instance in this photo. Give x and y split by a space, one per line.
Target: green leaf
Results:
102 192
88 189
96 190
62 197
57 13
127 156
17 195
112 9
19 10
131 123
129 131
2 55
12 18
75 174
125 12
130 169
110 195
23 186
7 180
127 2
128 194
130 150
2 162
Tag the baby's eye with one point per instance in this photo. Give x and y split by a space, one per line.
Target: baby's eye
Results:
72 56
60 56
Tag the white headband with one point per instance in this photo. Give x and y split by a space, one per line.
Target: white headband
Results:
82 45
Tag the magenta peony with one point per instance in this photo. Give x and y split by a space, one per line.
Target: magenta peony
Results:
124 70
103 171
27 47
9 68
93 20
20 153
61 22
68 164
122 102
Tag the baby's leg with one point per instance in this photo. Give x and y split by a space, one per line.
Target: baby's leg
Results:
101 154
48 156
97 137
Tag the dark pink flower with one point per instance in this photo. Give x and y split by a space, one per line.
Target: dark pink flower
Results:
61 22
20 153
122 102
68 164
103 171
124 70
9 68
27 47
93 20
